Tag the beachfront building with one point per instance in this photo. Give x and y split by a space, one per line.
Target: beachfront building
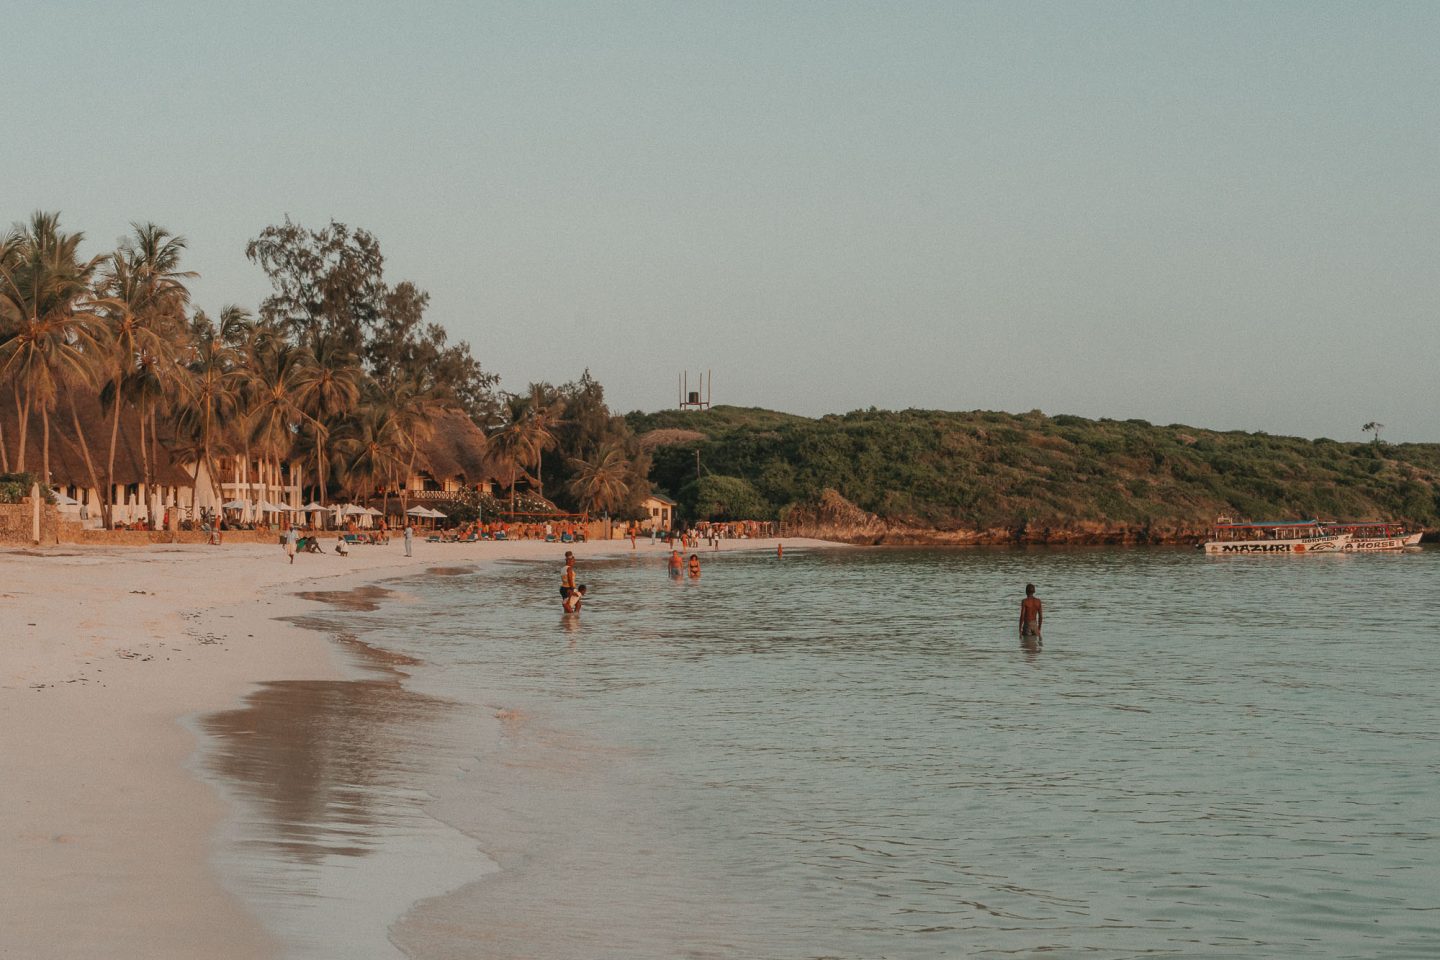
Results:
659 510
155 482
450 462
146 479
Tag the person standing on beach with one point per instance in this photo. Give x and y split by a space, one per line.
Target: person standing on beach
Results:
409 537
290 543
1032 614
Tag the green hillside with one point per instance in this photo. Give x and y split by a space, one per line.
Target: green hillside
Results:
983 470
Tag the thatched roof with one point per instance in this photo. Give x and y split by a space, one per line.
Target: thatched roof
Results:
667 437
67 459
456 447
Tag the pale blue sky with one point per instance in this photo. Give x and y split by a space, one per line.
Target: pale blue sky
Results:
1222 214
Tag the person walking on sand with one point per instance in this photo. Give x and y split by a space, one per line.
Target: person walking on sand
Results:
1032 614
290 543
409 537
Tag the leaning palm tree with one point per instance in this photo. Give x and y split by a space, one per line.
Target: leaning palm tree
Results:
45 290
603 482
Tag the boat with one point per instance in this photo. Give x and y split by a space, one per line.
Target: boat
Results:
1374 535
1275 536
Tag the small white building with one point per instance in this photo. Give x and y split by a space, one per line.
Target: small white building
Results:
660 510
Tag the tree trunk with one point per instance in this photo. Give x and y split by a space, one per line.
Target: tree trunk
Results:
45 444
84 445
24 426
145 470
108 502
4 455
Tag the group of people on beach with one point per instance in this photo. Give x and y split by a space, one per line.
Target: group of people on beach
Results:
296 542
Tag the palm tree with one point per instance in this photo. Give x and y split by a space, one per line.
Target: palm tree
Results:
45 291
416 401
212 391
275 413
603 482
545 410
511 442
328 390
145 302
372 449
10 317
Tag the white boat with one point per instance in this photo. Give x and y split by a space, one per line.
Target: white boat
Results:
1282 536
1368 537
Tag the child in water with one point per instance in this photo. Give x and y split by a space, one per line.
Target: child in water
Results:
573 598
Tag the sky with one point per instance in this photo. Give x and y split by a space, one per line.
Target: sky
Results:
1217 214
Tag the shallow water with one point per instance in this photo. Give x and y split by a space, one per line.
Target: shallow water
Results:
848 754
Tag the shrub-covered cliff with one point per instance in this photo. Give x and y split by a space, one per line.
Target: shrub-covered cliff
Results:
989 477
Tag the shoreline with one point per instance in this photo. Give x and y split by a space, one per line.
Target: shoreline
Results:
117 654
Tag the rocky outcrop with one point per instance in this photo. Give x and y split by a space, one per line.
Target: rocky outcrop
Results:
832 517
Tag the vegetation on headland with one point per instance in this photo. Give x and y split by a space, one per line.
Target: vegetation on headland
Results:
924 475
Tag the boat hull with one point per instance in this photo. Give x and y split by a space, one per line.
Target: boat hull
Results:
1331 544
1369 544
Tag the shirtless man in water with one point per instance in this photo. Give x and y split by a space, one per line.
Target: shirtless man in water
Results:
1032 614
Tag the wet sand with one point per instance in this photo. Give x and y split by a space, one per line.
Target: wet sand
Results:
109 834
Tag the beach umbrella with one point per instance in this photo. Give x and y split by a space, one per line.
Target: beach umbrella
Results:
417 512
436 514
234 505
351 510
312 507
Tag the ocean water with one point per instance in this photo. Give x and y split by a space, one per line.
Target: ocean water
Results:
849 754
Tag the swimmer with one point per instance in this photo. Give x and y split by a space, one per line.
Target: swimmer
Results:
1032 613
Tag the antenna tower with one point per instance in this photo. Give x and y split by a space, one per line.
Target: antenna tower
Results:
690 399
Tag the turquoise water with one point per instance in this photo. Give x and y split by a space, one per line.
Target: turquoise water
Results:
848 754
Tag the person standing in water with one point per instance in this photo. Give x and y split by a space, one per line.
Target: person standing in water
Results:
1032 614
694 566
567 579
676 564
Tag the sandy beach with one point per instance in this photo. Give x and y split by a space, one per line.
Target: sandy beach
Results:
109 834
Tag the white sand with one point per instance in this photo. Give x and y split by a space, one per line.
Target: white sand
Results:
106 836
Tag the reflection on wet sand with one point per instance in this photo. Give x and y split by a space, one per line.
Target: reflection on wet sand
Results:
321 759
330 841
361 598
